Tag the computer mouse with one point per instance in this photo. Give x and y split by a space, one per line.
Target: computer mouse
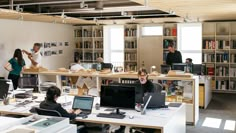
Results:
131 116
46 124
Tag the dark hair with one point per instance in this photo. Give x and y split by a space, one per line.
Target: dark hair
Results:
37 44
52 92
142 70
18 55
190 60
171 45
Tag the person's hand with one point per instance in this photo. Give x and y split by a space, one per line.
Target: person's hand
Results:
71 111
30 56
77 111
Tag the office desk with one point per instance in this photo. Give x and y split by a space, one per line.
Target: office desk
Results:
171 120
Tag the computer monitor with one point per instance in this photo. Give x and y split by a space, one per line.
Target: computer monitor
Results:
197 69
118 96
138 90
107 66
179 66
165 69
4 87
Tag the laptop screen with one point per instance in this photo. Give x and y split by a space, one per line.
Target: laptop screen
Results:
83 103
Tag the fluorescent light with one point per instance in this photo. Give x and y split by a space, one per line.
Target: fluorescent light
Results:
212 122
229 125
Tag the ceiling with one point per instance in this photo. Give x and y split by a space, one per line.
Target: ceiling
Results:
203 10
120 11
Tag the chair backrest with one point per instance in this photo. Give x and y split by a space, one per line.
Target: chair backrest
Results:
158 87
47 112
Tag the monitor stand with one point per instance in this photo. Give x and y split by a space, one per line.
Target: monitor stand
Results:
118 112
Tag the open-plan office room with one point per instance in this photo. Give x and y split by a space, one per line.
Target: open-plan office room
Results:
117 66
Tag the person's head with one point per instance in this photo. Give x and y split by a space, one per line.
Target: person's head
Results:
100 60
78 62
36 47
53 93
18 56
142 75
188 60
171 48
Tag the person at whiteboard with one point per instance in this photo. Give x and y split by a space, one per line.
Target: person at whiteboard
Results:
174 56
15 66
35 57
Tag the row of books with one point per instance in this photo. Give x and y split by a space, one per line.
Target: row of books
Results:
165 55
232 85
210 69
98 33
212 44
233 58
98 44
88 44
78 33
233 44
130 56
167 42
131 44
170 31
78 56
88 56
222 71
87 33
131 67
96 55
208 58
79 45
232 72
222 57
129 32
222 84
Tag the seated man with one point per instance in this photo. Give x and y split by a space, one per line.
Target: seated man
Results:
147 85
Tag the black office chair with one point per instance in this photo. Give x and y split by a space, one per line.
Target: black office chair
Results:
158 87
47 112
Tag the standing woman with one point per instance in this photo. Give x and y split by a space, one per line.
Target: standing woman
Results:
17 63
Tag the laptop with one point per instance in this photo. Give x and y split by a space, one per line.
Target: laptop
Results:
85 104
157 100
4 87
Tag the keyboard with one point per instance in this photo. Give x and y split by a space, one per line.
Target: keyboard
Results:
83 114
116 116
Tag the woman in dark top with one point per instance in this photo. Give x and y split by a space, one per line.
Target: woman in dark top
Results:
50 103
17 64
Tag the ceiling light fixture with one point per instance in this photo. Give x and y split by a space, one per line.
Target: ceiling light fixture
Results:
132 18
18 9
63 14
171 12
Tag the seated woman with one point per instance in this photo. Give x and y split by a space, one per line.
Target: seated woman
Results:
50 103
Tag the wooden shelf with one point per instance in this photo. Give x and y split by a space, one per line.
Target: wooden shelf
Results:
131 49
223 91
210 36
169 36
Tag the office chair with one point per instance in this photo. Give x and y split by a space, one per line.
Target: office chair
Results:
47 112
165 69
158 87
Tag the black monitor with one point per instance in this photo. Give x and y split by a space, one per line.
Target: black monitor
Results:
197 69
107 66
4 87
138 90
165 69
179 66
117 96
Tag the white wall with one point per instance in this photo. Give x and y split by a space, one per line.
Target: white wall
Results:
22 34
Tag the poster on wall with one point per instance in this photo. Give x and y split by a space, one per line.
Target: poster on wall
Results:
54 52
60 44
66 43
47 45
47 53
60 52
54 44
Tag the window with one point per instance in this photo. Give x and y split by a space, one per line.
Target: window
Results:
114 44
152 31
190 41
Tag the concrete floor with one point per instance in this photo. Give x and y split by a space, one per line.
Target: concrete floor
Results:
222 106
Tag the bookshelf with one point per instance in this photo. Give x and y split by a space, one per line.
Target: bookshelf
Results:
219 54
169 37
131 47
88 43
